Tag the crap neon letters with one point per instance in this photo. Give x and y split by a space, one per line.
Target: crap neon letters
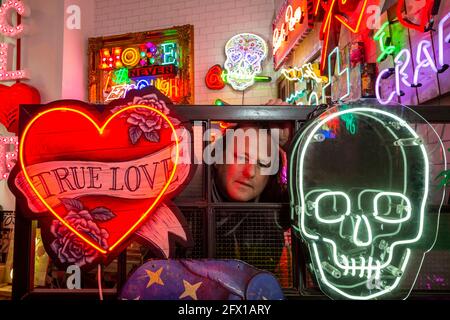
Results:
423 60
13 32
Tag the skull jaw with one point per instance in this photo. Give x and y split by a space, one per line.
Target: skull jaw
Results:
338 284
240 81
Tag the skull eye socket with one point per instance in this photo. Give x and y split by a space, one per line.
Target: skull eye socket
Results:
392 207
235 56
332 207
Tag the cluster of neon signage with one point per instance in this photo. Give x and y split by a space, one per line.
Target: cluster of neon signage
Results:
137 67
423 59
308 72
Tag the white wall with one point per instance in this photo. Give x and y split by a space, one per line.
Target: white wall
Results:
42 48
215 21
75 57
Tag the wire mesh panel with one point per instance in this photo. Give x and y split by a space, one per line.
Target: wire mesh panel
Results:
195 219
256 237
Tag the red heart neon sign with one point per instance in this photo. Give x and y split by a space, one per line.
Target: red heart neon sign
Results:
79 116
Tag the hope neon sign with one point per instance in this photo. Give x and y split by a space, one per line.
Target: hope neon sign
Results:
13 32
146 55
423 60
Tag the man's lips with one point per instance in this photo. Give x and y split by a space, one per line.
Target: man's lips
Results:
245 184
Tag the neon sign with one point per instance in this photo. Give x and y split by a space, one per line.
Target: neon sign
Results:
291 20
8 158
148 54
344 12
424 14
115 189
213 79
307 71
245 53
423 60
384 42
169 87
140 66
339 73
294 21
14 32
363 239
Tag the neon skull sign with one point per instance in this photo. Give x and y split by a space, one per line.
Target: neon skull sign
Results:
245 53
360 201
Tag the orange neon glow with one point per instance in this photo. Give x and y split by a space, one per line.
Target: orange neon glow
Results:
100 130
326 25
316 10
358 24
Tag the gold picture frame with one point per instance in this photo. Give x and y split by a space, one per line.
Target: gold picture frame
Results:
183 36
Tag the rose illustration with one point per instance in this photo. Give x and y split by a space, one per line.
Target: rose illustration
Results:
67 245
145 122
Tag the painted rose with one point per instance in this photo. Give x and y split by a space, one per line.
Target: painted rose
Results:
69 247
144 121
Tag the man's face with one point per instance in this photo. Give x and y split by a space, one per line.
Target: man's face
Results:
243 180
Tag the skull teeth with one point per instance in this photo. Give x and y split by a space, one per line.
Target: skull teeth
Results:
364 267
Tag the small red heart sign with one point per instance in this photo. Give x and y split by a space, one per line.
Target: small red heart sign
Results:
100 171
214 79
11 98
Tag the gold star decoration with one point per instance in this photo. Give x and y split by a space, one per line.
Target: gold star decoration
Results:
155 277
190 290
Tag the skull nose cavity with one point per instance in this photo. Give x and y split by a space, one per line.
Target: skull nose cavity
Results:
362 231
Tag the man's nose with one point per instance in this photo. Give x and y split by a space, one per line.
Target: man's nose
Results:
250 170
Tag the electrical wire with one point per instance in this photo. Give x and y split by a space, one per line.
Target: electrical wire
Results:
99 278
